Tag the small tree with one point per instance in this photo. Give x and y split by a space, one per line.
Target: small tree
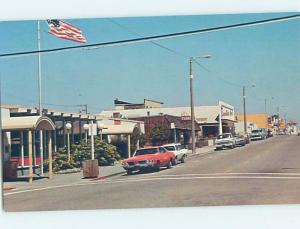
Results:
158 136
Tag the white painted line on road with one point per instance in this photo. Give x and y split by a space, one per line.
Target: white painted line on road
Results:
213 174
295 176
40 189
192 178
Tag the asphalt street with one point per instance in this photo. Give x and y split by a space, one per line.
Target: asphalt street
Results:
263 172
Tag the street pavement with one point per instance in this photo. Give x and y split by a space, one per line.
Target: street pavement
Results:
263 172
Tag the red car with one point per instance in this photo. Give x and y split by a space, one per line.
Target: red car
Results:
151 158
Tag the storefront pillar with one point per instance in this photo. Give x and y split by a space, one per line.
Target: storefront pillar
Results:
55 140
30 156
128 146
34 148
22 148
50 153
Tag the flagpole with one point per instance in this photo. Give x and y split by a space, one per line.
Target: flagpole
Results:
40 95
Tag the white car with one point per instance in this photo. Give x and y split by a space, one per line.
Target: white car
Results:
179 151
225 141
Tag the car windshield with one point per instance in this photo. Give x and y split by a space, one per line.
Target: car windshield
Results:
256 131
146 151
224 136
170 148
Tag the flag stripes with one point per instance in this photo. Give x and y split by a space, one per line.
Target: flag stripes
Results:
65 31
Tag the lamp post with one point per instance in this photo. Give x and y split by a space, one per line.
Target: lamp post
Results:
68 128
86 129
244 106
192 98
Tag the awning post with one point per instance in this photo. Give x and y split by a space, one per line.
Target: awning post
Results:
50 153
128 145
30 156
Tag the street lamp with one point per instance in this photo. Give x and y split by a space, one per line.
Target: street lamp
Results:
86 129
244 105
68 127
192 98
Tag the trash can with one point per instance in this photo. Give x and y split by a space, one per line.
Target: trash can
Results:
11 172
90 168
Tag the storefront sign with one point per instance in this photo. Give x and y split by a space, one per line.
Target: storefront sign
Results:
185 116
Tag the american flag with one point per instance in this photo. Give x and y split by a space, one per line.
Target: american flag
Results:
65 31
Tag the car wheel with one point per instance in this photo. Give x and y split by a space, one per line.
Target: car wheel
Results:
174 162
129 172
157 167
183 159
169 164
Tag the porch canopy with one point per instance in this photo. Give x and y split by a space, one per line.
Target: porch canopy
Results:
27 123
30 124
128 128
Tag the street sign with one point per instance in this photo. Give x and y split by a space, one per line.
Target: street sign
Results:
93 129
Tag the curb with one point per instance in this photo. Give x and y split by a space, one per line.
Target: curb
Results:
108 176
9 188
201 154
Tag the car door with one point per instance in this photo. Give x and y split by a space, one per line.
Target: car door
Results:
179 152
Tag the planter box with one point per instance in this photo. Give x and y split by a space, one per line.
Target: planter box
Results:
90 168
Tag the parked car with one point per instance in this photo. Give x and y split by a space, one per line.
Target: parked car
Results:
152 158
179 151
270 133
247 137
240 140
259 134
225 141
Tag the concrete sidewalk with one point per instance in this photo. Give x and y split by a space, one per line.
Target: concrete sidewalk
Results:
202 151
63 179
71 178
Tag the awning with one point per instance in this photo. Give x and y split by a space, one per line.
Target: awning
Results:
27 123
119 129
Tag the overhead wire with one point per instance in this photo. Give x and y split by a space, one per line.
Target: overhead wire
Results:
157 37
168 49
153 42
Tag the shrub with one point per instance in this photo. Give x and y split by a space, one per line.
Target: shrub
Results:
60 161
105 153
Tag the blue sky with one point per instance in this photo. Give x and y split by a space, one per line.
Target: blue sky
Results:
265 55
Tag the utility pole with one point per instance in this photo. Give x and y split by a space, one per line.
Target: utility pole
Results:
192 106
86 110
244 105
266 113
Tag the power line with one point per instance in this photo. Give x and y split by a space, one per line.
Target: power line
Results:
163 47
174 52
158 37
49 104
153 42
